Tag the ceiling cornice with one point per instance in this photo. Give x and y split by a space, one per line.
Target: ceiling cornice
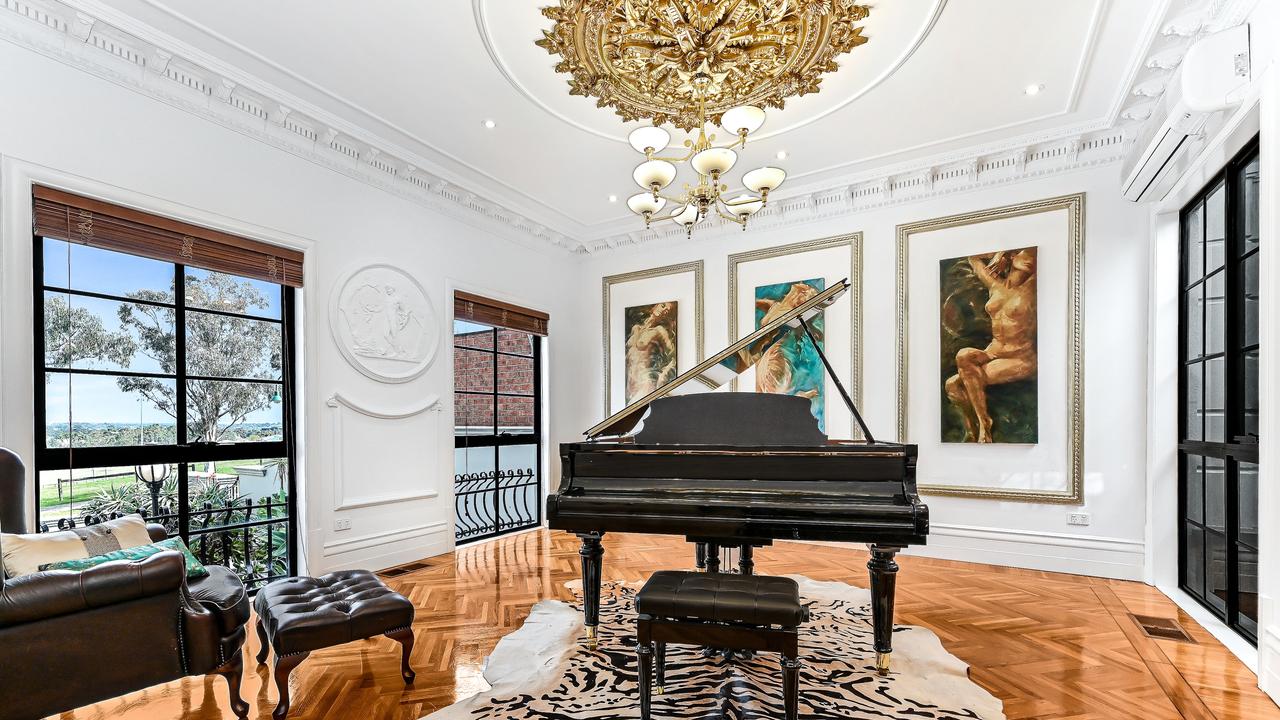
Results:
1175 30
1019 159
188 79
172 72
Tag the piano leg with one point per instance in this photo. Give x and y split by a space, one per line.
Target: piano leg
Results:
883 572
592 554
713 557
700 555
746 560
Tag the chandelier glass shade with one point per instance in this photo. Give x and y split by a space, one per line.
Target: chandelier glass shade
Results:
708 196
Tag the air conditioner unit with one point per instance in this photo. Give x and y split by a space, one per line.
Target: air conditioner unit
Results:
1212 77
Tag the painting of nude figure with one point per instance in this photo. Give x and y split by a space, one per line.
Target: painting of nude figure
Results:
650 356
989 367
792 366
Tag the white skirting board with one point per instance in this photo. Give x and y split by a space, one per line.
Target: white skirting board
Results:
1107 557
1114 558
1241 648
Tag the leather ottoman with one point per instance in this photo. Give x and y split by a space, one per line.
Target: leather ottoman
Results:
302 614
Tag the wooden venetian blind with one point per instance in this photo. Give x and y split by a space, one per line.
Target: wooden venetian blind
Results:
74 218
483 310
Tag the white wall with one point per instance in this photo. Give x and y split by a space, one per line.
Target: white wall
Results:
63 126
1229 131
1115 326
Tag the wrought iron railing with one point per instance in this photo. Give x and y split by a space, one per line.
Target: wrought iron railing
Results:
250 539
494 502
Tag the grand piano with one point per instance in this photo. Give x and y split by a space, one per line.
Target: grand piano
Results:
741 470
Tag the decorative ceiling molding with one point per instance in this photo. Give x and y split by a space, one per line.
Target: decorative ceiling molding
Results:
187 79
1180 25
905 183
253 108
481 14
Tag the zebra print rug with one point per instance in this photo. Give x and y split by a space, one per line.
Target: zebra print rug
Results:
545 671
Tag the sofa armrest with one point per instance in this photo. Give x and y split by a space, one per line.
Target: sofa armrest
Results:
44 595
157 532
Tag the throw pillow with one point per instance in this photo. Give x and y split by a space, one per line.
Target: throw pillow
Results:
24 554
194 568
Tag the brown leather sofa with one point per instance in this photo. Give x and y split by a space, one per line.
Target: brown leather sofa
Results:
68 639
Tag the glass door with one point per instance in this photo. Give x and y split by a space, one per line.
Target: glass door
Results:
1218 475
497 431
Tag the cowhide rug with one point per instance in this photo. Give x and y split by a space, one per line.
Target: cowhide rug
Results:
545 671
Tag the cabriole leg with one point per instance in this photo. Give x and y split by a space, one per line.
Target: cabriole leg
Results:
232 670
284 666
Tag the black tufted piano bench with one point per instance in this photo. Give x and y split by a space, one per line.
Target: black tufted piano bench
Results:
734 612
298 615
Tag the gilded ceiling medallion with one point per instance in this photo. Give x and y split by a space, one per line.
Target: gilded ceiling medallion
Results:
661 59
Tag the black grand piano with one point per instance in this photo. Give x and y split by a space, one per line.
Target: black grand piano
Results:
740 470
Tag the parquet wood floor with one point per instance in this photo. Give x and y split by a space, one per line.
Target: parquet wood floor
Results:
1051 646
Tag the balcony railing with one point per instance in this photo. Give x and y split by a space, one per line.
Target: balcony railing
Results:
252 539
494 502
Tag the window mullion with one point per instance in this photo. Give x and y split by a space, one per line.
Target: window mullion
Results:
180 393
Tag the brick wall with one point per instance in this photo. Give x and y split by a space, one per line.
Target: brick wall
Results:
473 370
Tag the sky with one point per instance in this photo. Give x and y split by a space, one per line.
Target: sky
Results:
96 398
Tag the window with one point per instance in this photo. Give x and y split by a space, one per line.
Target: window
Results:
163 388
1218 448
497 374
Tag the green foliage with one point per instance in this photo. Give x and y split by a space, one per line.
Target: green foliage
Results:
217 346
73 335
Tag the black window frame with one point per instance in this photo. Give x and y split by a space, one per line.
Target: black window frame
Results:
183 452
498 440
1237 446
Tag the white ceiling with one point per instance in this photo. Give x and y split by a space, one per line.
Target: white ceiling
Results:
936 76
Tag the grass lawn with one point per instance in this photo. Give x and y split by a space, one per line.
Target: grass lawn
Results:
80 491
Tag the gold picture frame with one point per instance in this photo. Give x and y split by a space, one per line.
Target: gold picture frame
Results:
854 242
1075 207
606 285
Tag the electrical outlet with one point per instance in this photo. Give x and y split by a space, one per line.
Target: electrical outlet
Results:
341 524
1077 518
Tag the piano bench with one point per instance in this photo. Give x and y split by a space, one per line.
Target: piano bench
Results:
731 612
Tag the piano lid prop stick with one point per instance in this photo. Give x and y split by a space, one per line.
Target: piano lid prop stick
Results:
866 433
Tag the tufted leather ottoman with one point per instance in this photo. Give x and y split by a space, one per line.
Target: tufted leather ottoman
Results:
298 615
737 612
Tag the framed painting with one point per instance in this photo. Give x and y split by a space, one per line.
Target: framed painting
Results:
990 364
765 282
652 330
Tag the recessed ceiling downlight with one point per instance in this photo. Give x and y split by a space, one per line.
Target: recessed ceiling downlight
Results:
1032 90
489 124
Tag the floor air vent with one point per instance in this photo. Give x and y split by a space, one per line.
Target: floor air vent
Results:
1162 628
399 570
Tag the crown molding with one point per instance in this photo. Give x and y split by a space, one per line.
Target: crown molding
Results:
96 40
1025 158
187 79
1176 28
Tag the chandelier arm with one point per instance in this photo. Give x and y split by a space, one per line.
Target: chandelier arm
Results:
740 142
674 159
674 199
730 217
735 203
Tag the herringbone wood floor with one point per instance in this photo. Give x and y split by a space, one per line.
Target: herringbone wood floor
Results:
1049 645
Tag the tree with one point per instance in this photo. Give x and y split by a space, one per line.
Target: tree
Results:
217 346
74 334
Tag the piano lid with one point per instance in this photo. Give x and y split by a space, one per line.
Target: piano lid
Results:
717 370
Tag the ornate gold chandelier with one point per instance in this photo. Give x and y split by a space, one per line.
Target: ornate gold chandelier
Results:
692 63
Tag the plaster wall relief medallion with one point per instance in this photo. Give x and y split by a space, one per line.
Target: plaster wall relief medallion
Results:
384 323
